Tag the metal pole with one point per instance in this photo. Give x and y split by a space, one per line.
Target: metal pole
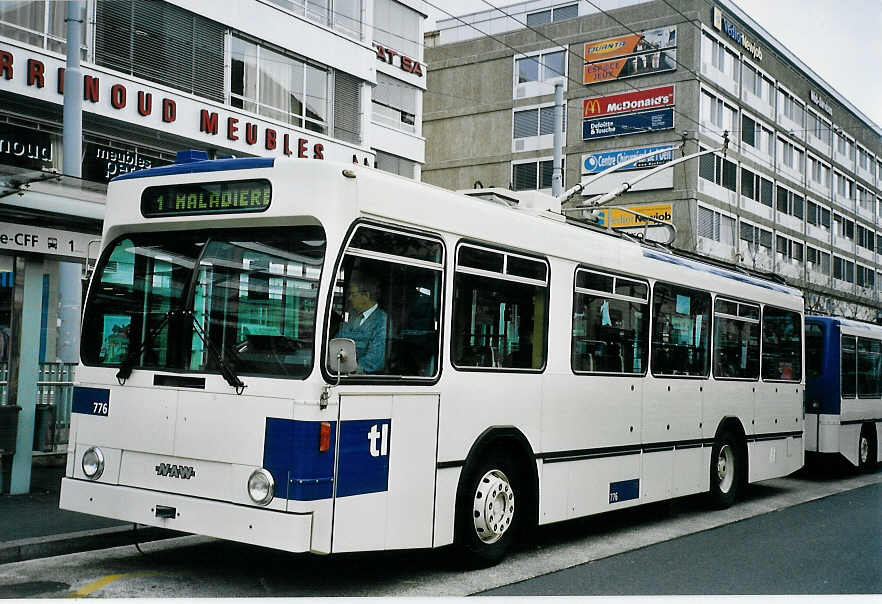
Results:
73 92
557 174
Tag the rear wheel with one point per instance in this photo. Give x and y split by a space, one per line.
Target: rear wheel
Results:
488 517
867 449
726 470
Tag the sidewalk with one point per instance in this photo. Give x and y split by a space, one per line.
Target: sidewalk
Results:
32 525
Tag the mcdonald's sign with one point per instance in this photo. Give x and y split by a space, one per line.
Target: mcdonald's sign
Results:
628 102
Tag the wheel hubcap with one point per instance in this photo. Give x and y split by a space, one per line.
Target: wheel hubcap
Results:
493 506
725 468
864 449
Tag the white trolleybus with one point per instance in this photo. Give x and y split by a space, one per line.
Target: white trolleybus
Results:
319 357
843 408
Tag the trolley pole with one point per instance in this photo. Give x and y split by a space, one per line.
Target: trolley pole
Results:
557 174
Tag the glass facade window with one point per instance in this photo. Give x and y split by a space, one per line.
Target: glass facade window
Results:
757 238
791 156
716 226
534 174
542 67
718 55
397 26
535 122
790 202
791 107
559 13
395 103
39 23
278 86
396 165
163 43
342 15
718 170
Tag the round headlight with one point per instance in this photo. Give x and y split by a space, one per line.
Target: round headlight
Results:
261 486
93 463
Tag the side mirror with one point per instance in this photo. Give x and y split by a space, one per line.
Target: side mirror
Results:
341 356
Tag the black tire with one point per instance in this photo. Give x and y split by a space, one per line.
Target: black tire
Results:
727 470
488 518
867 449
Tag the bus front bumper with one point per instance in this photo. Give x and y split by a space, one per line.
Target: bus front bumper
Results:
257 526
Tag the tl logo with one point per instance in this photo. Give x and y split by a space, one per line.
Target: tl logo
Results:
378 436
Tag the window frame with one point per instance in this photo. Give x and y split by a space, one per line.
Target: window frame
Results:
585 291
506 251
331 378
757 321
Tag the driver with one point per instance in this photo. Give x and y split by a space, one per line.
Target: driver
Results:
366 326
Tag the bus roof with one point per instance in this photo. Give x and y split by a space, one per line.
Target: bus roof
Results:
849 323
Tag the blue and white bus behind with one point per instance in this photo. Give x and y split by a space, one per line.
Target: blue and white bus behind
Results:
844 389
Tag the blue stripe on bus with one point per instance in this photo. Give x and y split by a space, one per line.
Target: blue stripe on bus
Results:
303 473
291 454
211 165
720 272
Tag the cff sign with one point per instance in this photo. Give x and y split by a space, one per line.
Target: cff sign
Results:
633 123
594 163
628 102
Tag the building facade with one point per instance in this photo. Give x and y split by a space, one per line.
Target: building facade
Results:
338 80
796 192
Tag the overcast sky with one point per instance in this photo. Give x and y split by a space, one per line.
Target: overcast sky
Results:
841 40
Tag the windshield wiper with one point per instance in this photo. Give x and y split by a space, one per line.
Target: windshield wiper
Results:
226 371
128 363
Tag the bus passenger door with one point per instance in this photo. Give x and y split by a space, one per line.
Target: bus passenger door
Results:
384 480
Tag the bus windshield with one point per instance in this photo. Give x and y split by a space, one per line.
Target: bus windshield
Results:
251 293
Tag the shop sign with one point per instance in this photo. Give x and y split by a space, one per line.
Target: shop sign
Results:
25 148
594 163
23 238
724 25
393 57
101 163
632 123
629 56
619 219
820 102
628 102
209 124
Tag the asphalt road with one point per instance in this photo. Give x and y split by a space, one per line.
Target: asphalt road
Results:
827 546
752 540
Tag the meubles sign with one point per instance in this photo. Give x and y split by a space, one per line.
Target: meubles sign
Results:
626 102
110 94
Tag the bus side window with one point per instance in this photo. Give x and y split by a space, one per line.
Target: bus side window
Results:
387 299
782 345
610 324
869 359
680 331
500 302
736 340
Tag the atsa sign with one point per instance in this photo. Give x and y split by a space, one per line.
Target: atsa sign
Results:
633 123
628 102
393 57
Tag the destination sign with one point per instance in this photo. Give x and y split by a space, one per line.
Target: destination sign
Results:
206 198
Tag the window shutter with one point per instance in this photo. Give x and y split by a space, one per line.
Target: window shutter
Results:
705 223
113 35
347 107
526 123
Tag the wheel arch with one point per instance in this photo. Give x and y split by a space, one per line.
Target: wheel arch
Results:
512 439
733 424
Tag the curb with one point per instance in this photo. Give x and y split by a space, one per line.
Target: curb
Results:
80 541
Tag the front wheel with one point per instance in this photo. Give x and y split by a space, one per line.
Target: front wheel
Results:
726 471
487 515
